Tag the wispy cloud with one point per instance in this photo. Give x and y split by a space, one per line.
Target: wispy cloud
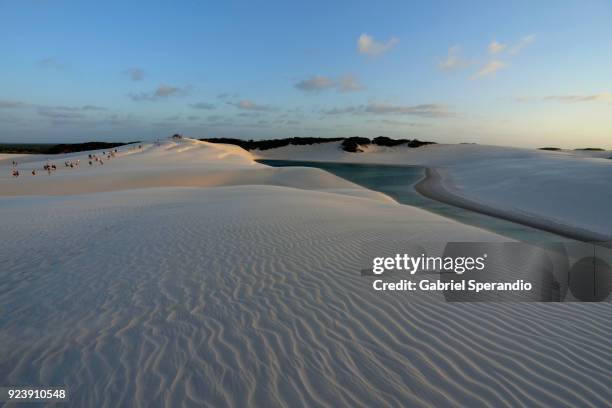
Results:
249 105
425 110
496 47
342 111
12 104
83 116
367 45
454 60
578 98
162 92
391 122
490 68
50 62
383 108
524 42
499 55
315 83
93 108
113 120
67 113
203 105
250 114
227 95
568 98
347 83
135 74
6 104
55 113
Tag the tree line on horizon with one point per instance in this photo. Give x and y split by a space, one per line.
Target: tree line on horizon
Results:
352 144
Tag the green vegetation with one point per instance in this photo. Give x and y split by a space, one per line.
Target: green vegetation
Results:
48 148
386 141
18 148
353 144
271 143
592 149
552 149
349 144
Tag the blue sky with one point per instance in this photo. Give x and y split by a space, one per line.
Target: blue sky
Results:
519 73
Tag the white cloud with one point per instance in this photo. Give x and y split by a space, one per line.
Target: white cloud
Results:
524 42
366 44
496 47
490 68
454 60
500 54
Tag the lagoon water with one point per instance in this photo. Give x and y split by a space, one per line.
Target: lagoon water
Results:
398 181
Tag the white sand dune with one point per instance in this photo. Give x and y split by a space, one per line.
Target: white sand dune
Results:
185 163
572 189
248 293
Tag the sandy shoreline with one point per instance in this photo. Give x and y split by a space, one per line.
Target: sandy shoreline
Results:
432 186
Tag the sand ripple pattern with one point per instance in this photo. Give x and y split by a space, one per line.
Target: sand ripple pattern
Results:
231 297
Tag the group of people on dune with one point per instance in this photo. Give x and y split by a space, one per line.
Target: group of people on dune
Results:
95 158
50 167
15 171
